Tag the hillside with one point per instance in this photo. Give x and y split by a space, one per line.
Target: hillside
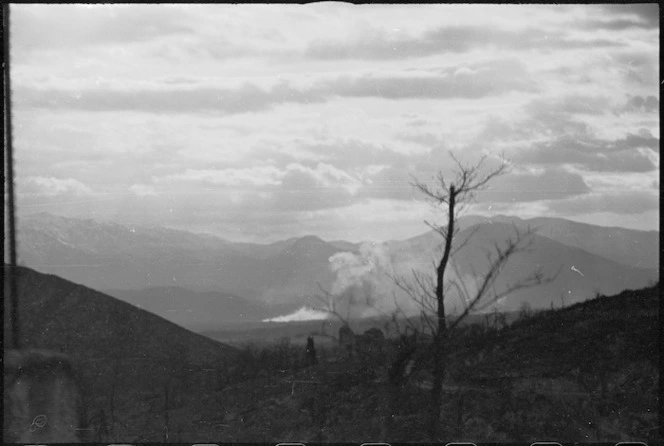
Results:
60 315
587 335
587 373
120 351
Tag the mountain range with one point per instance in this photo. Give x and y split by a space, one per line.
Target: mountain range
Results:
206 279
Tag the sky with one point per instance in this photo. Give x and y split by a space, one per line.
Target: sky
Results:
263 122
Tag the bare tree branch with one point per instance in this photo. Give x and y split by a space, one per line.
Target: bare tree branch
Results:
430 292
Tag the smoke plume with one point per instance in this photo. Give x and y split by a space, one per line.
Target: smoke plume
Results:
302 314
365 285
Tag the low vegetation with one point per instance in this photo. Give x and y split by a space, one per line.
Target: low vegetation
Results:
585 373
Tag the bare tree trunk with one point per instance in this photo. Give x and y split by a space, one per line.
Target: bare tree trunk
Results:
460 417
441 332
390 400
166 408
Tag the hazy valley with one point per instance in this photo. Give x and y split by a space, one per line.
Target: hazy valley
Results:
204 282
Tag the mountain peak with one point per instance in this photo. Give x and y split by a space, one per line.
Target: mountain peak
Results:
310 239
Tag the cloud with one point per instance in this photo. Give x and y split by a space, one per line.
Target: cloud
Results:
617 24
622 155
176 99
293 188
324 175
253 176
51 186
645 14
484 79
637 67
352 153
37 27
240 119
638 103
309 188
550 184
571 104
449 39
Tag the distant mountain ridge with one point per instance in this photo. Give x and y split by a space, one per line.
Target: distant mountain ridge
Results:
626 246
580 274
111 256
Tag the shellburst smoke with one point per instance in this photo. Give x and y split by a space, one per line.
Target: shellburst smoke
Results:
302 314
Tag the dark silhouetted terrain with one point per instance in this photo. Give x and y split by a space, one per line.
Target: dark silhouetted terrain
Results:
125 356
588 373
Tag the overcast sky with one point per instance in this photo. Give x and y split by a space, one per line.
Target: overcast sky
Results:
262 122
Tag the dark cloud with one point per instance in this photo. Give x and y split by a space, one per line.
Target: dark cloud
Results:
451 39
571 104
594 154
471 82
637 103
646 14
552 184
643 140
309 187
548 123
638 67
311 199
619 202
247 98
617 24
486 79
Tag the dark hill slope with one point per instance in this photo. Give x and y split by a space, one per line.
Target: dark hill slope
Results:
606 333
587 373
131 362
60 315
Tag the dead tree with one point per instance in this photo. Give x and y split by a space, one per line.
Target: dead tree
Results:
430 291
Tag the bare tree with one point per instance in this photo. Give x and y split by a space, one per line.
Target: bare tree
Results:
430 291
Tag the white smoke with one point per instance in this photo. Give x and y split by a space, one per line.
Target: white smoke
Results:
302 314
365 285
